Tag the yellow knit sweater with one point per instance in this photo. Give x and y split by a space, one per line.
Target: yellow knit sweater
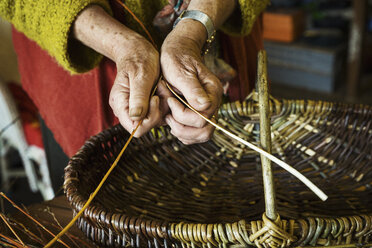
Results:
48 22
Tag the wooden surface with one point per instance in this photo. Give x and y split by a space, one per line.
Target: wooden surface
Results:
43 212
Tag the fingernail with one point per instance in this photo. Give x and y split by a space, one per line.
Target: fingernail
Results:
203 100
135 112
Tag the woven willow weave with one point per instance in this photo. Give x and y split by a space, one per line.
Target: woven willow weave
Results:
165 194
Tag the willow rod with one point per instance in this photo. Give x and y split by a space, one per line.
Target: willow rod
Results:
95 192
11 229
265 135
11 241
31 218
91 197
279 162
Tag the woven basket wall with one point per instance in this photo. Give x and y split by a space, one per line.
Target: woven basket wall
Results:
165 194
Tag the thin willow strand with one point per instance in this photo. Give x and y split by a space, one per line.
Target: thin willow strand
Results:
31 218
139 22
279 162
91 197
11 229
9 240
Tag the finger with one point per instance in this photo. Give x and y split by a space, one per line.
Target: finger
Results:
152 119
118 100
189 134
211 85
213 88
209 129
140 90
164 93
184 78
125 121
184 115
191 142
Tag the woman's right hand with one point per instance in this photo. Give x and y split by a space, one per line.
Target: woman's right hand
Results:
137 63
137 72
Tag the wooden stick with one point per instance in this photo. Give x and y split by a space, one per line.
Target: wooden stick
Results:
91 197
14 243
11 229
6 244
59 224
265 135
30 217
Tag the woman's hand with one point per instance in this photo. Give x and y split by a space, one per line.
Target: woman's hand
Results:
137 63
182 67
137 72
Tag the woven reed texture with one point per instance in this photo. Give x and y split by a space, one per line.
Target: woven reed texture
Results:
165 194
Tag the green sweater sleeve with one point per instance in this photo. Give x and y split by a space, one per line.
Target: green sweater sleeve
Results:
241 21
48 22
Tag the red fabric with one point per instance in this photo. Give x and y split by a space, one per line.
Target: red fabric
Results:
76 107
28 115
73 107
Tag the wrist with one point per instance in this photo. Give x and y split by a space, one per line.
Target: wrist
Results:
191 29
98 30
129 43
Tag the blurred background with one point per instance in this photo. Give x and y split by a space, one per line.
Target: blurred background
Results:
320 49
317 49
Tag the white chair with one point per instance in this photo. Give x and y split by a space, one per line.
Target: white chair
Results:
35 166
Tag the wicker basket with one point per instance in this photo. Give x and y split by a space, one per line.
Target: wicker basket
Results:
165 194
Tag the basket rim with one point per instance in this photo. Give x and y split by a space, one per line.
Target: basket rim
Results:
164 229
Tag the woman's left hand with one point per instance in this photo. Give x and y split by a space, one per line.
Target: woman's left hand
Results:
182 67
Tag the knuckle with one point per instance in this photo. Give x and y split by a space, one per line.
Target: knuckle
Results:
121 75
139 68
196 91
216 86
111 101
143 75
137 96
185 70
179 117
200 123
175 131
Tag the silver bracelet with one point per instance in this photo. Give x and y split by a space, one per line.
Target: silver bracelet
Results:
203 19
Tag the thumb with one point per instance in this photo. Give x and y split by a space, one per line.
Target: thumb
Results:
193 91
139 95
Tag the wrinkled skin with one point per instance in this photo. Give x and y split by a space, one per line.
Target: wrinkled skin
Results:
138 69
